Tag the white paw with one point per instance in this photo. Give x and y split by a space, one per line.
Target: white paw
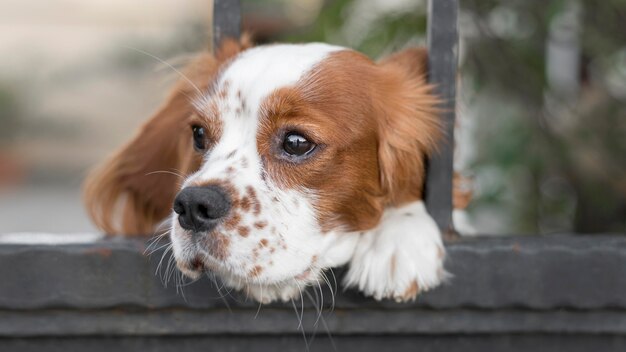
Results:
401 257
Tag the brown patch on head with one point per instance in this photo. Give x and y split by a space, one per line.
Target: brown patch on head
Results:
373 125
260 224
255 271
243 231
263 242
126 195
413 127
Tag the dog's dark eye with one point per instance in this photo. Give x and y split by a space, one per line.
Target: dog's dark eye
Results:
199 138
296 145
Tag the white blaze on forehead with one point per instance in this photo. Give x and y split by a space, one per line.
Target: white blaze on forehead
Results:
259 71
251 77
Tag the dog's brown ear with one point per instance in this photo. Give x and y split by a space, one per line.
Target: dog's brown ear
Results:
134 189
409 124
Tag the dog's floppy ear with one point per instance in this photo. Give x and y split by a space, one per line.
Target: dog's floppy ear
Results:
134 189
409 125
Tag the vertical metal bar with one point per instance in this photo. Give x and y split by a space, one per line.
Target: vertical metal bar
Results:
226 20
442 61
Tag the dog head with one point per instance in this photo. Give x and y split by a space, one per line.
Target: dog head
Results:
287 153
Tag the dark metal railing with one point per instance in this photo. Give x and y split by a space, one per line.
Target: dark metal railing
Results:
226 20
442 67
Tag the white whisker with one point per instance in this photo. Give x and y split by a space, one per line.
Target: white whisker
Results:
168 65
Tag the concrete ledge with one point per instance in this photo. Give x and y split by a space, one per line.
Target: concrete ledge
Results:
552 272
520 287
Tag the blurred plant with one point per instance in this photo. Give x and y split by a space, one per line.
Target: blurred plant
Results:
9 114
545 85
373 27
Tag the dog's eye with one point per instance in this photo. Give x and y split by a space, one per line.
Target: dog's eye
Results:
296 145
199 138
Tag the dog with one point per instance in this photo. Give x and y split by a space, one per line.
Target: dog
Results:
294 159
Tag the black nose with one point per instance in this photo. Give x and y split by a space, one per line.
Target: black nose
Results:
201 208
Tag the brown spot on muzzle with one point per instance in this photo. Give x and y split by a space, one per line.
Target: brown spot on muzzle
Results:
254 201
217 244
233 221
245 204
197 264
260 224
243 231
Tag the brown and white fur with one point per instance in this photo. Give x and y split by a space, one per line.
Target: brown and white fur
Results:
356 199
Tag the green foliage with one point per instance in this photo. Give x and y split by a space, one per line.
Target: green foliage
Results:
388 32
9 114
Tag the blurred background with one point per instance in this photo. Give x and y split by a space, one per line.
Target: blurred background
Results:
542 97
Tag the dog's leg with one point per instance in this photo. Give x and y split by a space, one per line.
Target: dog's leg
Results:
401 257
